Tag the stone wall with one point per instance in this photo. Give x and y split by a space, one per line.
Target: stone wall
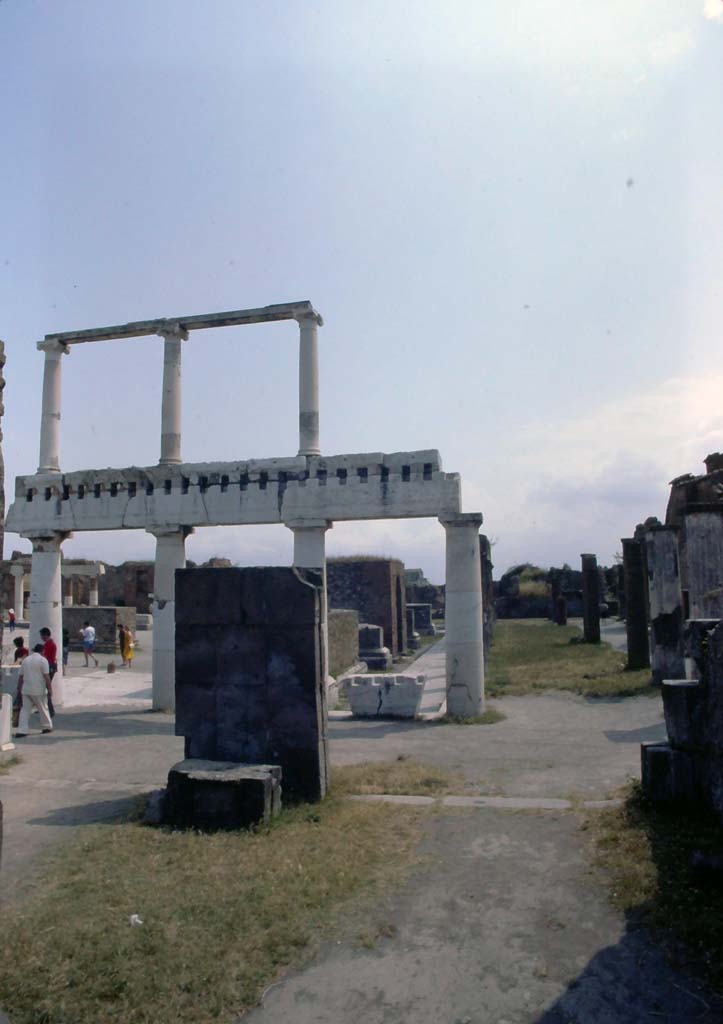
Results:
105 620
129 584
343 639
375 588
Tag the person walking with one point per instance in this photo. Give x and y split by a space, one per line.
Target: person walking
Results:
35 689
11 619
87 634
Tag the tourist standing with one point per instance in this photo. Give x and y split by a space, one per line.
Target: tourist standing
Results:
87 635
20 651
50 650
126 644
66 648
11 619
35 689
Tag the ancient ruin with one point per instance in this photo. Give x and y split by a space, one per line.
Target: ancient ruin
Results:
306 492
681 562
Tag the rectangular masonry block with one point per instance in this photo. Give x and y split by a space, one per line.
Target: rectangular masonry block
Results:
385 696
249 687
215 795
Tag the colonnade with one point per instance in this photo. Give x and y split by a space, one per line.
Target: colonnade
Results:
464 643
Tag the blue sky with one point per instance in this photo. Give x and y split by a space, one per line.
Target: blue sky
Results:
508 213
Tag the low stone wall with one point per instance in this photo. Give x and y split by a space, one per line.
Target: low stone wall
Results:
343 639
105 620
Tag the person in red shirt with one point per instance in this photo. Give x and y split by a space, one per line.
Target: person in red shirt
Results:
50 650
21 650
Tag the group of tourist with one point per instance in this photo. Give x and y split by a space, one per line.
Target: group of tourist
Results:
35 679
35 682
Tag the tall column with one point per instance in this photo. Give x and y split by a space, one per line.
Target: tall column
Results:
590 599
18 572
170 555
310 553
636 613
46 602
172 336
666 603
463 638
309 384
93 592
49 461
67 591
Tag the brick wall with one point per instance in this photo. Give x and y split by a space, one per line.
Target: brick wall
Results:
343 639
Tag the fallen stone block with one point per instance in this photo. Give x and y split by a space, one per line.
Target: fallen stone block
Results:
220 795
394 696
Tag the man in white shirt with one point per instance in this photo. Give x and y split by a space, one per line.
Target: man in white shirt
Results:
87 634
34 688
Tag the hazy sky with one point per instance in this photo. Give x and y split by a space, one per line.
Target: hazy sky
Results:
509 214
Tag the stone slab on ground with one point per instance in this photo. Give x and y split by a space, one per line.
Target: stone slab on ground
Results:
503 924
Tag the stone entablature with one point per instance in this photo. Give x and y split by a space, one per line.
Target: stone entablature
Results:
370 485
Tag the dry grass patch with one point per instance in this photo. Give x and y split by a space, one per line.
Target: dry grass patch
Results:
222 914
402 777
532 655
659 866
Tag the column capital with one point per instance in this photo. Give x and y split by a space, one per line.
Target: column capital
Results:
309 524
462 519
46 540
310 317
172 332
169 531
17 570
49 347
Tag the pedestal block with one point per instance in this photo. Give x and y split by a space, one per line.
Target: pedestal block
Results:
216 795
413 638
371 647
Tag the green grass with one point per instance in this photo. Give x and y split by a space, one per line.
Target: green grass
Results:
5 766
488 717
222 914
533 655
646 852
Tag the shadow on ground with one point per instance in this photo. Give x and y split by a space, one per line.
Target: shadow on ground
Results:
630 982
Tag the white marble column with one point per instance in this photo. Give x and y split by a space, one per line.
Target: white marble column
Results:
46 602
49 461
463 617
18 572
93 592
170 555
309 384
68 591
173 335
310 553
